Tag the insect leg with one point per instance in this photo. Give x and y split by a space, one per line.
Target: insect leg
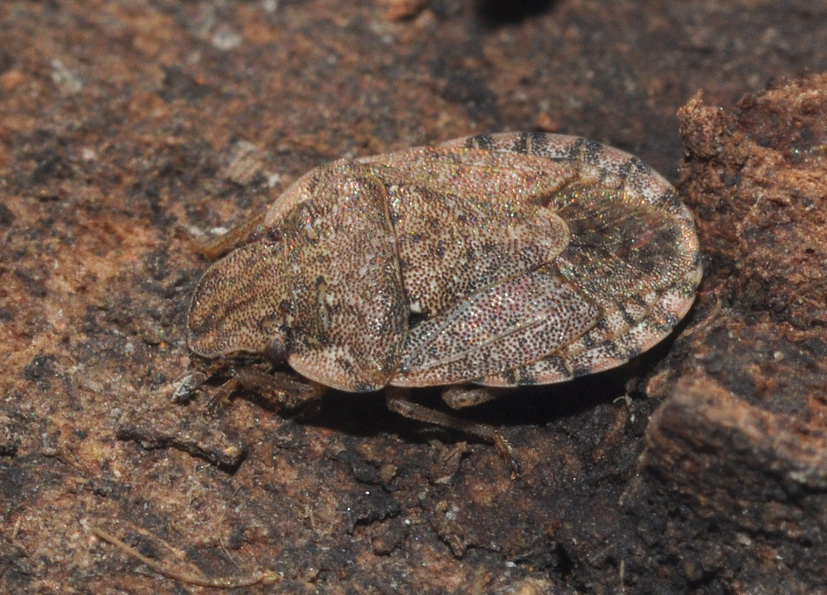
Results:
398 402
285 389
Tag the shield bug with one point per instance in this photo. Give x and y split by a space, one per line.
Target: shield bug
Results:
493 260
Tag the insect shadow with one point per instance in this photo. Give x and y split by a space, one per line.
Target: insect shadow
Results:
496 12
366 414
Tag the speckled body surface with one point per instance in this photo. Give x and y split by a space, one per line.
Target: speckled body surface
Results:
503 260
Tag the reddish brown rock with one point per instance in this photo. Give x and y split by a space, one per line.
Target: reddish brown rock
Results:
732 492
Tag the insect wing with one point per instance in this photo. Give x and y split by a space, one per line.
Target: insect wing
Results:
512 323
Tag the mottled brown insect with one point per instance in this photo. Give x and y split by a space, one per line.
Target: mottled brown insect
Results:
497 260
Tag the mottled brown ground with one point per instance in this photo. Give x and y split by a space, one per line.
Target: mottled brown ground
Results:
126 128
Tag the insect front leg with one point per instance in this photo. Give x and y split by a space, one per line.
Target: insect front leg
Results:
284 389
398 402
226 379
